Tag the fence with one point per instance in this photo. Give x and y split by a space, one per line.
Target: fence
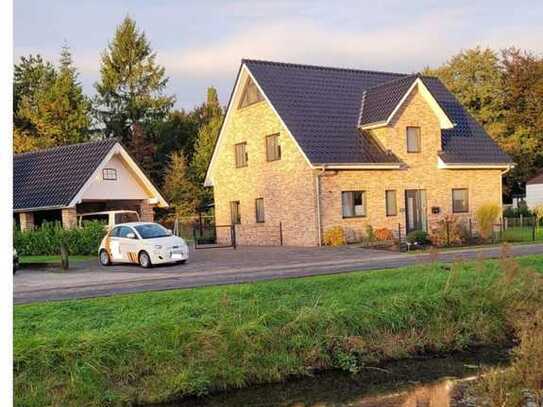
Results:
467 231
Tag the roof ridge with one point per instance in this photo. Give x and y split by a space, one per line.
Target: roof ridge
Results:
414 75
111 140
322 67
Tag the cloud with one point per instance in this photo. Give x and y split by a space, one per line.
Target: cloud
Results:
409 46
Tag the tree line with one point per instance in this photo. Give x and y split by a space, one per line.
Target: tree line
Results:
172 146
503 90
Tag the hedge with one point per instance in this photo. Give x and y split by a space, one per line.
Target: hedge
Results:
46 239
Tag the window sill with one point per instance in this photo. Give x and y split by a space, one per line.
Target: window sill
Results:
354 217
242 166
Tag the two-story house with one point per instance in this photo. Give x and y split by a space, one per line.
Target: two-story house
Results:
313 147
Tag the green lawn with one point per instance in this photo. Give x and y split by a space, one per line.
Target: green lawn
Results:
160 346
521 234
53 259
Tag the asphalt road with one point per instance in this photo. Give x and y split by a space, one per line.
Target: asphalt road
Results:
225 266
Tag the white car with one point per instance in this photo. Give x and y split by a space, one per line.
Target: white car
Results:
144 243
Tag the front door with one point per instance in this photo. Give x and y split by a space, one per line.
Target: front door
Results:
415 209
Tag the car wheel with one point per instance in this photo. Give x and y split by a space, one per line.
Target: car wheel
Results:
144 260
104 258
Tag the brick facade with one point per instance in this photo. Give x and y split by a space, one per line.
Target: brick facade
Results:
69 218
26 220
146 212
287 185
289 189
420 172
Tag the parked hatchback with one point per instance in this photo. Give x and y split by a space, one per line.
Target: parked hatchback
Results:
144 243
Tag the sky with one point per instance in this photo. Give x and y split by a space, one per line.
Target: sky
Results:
201 43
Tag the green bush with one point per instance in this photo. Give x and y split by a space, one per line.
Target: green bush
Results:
418 236
46 239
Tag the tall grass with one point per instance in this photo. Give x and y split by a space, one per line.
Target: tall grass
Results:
161 346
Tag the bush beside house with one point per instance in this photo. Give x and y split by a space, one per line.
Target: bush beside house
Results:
47 239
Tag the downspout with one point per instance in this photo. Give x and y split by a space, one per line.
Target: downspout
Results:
318 202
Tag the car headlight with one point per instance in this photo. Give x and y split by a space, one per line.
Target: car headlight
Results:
158 246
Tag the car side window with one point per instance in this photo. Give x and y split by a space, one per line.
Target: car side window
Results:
115 232
124 231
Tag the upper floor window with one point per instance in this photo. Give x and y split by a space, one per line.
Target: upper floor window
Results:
235 214
250 95
353 204
259 203
241 155
109 174
413 139
390 198
273 149
460 200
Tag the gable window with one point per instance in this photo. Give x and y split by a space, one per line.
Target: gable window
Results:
259 203
241 155
460 200
235 215
390 198
413 139
273 149
109 174
250 95
353 204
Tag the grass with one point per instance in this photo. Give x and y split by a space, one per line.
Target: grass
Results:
53 259
161 346
522 234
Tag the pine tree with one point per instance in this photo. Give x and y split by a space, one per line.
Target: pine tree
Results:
131 84
205 142
49 105
179 188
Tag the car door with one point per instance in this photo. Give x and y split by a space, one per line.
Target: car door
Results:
114 244
128 245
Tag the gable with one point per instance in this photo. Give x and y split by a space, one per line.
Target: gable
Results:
125 186
250 94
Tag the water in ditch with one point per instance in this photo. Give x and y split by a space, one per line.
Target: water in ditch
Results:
425 381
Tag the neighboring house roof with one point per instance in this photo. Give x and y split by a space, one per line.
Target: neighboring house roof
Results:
323 107
537 179
52 178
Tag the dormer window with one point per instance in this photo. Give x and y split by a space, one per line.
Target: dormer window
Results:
109 174
250 95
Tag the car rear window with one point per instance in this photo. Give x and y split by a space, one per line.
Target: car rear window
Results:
126 217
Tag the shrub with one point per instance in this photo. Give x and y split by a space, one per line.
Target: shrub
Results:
46 239
334 236
486 217
383 234
370 234
448 231
538 213
418 236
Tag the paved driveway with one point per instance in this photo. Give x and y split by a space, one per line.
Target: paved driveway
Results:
222 266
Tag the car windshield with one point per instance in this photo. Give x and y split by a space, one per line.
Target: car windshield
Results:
151 231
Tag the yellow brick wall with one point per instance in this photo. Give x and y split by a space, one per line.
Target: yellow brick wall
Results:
420 172
287 185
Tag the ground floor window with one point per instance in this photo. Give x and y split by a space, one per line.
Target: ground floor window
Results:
235 215
259 203
460 200
390 198
353 204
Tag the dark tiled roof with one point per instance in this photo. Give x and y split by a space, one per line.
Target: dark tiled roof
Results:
52 178
537 179
322 108
381 100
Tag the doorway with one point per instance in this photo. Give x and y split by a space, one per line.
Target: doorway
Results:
415 209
